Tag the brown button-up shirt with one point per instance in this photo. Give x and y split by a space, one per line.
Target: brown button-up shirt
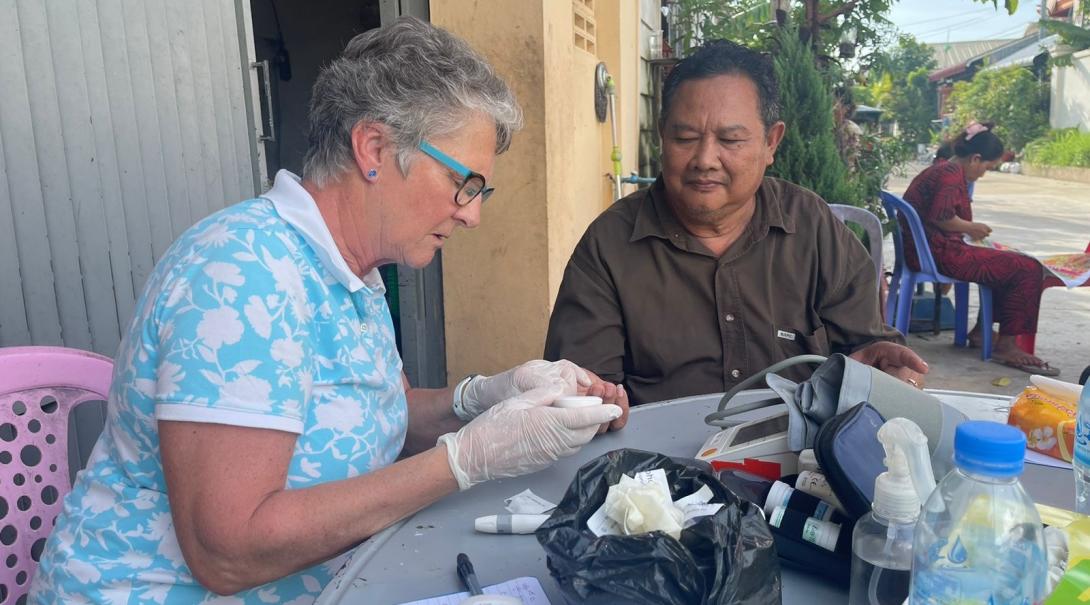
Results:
645 304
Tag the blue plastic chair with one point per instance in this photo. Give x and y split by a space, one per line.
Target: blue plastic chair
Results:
904 280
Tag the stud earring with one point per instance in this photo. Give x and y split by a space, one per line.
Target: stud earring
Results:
372 174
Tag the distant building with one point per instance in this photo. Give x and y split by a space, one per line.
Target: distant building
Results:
960 61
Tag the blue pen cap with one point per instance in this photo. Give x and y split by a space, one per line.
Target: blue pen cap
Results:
989 448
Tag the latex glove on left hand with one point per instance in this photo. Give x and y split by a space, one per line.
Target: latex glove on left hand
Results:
521 435
483 392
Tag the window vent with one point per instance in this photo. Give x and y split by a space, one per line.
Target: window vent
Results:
583 25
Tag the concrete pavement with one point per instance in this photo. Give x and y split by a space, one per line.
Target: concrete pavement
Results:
1039 216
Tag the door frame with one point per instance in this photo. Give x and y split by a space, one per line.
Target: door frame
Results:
420 291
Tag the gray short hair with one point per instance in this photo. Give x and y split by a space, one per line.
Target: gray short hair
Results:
417 79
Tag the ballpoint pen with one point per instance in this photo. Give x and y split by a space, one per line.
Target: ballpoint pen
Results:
468 576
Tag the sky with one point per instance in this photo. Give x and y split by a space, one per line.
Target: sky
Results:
961 20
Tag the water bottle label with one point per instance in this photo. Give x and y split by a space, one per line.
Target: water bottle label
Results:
823 511
1082 437
1012 574
935 589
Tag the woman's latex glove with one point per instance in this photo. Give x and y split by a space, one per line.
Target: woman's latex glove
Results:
483 392
521 435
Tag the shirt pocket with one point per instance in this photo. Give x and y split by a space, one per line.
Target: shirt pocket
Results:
794 342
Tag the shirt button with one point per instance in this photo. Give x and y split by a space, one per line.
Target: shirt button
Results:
363 328
735 373
728 317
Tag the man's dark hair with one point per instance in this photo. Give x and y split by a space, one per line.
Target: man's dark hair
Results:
723 57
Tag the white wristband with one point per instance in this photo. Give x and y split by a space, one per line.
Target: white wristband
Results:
458 402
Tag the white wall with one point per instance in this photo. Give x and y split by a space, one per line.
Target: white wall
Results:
1070 105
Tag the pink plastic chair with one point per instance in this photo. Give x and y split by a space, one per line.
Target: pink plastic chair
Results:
39 387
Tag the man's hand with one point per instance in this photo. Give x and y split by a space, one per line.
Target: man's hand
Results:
610 393
896 360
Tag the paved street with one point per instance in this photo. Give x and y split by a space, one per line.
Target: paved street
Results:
1040 216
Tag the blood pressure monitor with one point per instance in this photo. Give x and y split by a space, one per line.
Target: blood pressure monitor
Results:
757 446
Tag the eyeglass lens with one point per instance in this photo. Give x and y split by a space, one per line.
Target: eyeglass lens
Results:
469 190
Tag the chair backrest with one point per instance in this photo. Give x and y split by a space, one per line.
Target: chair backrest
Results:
39 387
870 224
895 206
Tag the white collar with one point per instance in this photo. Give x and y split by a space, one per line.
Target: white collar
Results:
295 205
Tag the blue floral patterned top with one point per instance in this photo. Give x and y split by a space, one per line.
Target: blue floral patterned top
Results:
252 318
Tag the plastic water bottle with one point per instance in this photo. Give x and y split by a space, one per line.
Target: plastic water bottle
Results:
979 538
1081 459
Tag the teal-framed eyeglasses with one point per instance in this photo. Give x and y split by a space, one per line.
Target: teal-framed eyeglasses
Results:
473 184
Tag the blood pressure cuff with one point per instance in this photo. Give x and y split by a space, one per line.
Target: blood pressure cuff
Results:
836 386
851 457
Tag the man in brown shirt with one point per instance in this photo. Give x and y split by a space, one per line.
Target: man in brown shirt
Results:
716 271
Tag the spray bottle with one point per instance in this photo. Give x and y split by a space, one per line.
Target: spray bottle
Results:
882 540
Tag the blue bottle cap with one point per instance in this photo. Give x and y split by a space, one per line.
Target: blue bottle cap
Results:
989 448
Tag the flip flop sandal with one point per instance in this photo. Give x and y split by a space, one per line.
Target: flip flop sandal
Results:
1041 370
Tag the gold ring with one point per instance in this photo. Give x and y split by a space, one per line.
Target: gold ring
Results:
912 381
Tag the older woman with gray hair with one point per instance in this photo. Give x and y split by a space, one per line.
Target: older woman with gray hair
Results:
259 422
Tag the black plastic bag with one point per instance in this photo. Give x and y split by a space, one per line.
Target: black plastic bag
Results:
725 558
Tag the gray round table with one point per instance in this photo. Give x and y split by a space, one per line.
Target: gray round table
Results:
414 559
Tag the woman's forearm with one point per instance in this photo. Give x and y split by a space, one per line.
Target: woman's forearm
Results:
251 530
353 510
955 225
430 415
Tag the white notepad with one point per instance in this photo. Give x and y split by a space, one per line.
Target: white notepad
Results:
526 588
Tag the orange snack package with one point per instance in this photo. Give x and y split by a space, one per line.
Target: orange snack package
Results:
1047 421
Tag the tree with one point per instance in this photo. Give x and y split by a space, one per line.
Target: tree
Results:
747 22
1012 98
899 85
752 22
808 155
906 57
911 103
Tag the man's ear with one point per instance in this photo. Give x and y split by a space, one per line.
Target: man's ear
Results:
773 136
369 140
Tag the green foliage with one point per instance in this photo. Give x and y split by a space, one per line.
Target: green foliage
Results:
1012 98
808 155
908 56
863 95
748 22
878 156
1067 147
752 23
911 103
899 85
1071 35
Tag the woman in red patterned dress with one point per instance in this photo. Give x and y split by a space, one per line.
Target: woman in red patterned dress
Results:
941 196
